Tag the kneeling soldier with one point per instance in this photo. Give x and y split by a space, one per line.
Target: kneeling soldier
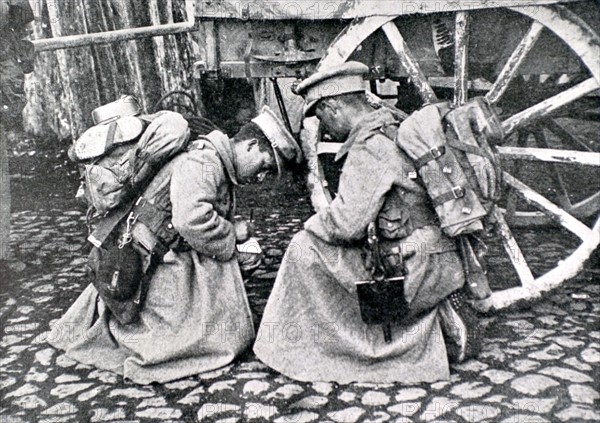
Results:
195 317
313 328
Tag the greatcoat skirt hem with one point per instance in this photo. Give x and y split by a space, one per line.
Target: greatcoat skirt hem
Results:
196 319
312 330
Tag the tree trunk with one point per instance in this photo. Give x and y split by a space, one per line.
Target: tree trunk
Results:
68 84
45 112
76 66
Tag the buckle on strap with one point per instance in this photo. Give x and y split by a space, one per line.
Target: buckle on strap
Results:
458 192
433 154
437 152
454 194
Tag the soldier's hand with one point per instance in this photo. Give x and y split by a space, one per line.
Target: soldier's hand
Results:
248 261
249 256
243 231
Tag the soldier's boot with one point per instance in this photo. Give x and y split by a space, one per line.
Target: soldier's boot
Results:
461 328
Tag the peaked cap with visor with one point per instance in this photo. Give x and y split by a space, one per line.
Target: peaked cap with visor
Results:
284 145
337 80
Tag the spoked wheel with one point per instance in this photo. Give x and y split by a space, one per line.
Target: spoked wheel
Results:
179 101
553 131
574 129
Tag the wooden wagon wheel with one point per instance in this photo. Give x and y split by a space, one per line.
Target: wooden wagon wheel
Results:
581 39
188 105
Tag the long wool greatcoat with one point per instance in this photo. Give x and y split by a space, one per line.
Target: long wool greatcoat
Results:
311 329
196 317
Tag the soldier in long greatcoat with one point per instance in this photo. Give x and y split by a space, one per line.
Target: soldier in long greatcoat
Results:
312 328
196 316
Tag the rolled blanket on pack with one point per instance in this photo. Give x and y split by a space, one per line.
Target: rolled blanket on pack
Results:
456 203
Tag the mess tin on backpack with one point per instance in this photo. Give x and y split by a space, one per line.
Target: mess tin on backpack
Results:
114 123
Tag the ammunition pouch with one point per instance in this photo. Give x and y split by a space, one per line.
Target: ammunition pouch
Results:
397 220
395 223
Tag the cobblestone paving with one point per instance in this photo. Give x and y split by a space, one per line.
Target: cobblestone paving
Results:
539 364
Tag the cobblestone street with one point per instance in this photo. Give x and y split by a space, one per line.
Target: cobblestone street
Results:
539 363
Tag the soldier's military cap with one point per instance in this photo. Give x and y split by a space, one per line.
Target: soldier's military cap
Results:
284 145
331 82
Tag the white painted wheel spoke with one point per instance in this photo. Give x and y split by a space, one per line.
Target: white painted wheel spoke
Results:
347 41
409 62
550 155
461 48
549 208
563 194
513 250
549 105
511 66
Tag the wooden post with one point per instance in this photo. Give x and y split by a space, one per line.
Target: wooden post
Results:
76 67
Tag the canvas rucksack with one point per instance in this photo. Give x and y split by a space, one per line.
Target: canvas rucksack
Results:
452 150
130 243
121 157
117 171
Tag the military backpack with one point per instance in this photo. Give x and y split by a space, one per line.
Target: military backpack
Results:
124 155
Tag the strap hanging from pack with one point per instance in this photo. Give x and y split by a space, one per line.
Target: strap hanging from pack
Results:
110 136
471 149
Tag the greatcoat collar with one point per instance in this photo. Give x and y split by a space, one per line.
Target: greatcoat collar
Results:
224 148
372 121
